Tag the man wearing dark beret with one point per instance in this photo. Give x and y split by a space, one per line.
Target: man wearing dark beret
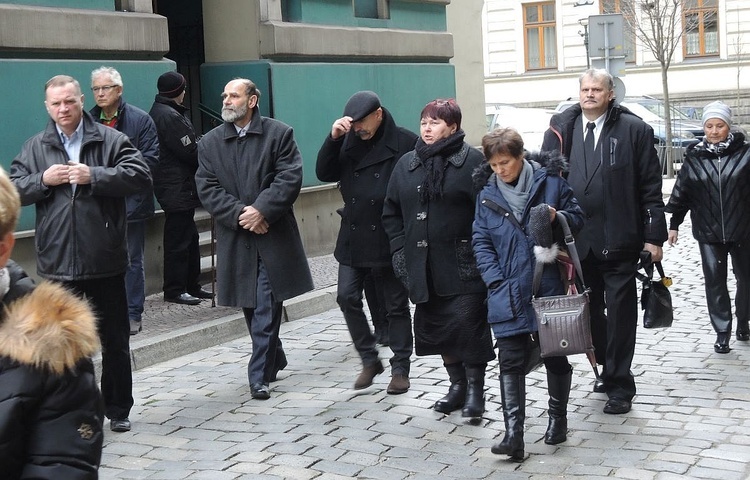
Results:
360 153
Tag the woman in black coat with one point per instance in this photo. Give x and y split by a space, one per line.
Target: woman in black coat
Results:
51 410
714 185
428 212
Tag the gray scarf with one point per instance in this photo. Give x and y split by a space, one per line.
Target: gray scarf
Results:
517 196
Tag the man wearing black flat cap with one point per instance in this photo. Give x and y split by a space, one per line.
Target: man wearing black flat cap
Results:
360 153
174 186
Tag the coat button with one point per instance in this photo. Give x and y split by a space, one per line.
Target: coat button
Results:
356 174
373 227
377 175
422 216
354 200
422 244
353 227
372 202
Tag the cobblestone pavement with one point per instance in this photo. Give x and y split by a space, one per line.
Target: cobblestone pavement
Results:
194 417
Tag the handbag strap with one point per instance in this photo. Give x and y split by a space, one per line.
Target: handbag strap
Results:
570 243
497 208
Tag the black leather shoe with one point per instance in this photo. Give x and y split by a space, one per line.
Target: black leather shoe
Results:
280 365
617 406
743 334
599 386
260 391
120 425
183 299
722 342
201 293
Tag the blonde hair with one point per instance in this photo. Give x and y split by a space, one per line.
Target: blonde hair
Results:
10 205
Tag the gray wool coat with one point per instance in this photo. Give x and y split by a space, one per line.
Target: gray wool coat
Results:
262 169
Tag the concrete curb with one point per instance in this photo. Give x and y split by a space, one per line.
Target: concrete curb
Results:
186 340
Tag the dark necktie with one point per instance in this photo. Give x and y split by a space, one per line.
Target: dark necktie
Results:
588 147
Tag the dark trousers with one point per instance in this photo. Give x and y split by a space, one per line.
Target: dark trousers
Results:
135 277
614 319
263 323
514 355
182 260
349 297
108 299
714 261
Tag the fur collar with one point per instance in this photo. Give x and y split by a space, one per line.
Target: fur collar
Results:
50 328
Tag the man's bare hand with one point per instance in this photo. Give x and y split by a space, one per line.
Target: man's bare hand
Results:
672 238
340 127
57 174
79 174
656 252
251 219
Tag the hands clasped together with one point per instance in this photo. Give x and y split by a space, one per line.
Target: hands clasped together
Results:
72 172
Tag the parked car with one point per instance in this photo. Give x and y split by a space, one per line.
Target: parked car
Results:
531 123
685 130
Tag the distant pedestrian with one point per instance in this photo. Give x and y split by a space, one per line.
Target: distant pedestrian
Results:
428 213
249 176
112 110
77 173
714 186
174 185
51 410
360 153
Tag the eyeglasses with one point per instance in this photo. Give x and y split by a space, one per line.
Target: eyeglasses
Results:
103 88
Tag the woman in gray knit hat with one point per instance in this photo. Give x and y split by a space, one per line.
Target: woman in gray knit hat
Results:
714 185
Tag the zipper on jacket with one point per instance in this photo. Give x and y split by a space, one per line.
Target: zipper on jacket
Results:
721 206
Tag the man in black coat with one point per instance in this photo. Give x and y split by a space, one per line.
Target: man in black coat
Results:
616 177
113 111
174 185
360 153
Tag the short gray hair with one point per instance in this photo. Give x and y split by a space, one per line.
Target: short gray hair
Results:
599 74
109 71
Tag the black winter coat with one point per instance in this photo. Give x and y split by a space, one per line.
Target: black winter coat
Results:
81 236
435 237
632 210
716 191
363 170
51 411
141 130
174 180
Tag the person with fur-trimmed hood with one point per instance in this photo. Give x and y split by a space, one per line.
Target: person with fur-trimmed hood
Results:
518 196
51 410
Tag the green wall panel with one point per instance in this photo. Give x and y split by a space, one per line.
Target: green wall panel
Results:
310 96
23 104
84 4
403 15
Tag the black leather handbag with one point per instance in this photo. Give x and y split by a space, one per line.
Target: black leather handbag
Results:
656 300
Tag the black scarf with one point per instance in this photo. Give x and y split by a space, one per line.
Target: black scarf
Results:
433 159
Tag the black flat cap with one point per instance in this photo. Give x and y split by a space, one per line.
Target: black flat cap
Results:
361 104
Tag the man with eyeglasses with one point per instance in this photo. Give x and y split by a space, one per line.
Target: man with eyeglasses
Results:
112 110
77 173
174 185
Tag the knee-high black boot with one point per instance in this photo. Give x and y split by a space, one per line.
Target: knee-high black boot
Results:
456 392
513 394
474 404
558 387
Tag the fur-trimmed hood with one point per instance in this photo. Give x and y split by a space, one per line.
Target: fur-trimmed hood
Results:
552 161
50 328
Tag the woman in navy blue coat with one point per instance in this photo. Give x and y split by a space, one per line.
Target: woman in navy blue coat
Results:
506 253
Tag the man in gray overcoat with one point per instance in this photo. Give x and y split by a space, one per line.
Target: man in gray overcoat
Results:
249 175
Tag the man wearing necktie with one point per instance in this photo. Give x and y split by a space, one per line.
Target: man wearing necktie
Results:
616 176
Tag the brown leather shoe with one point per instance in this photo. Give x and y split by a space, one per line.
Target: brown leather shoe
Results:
399 384
367 374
